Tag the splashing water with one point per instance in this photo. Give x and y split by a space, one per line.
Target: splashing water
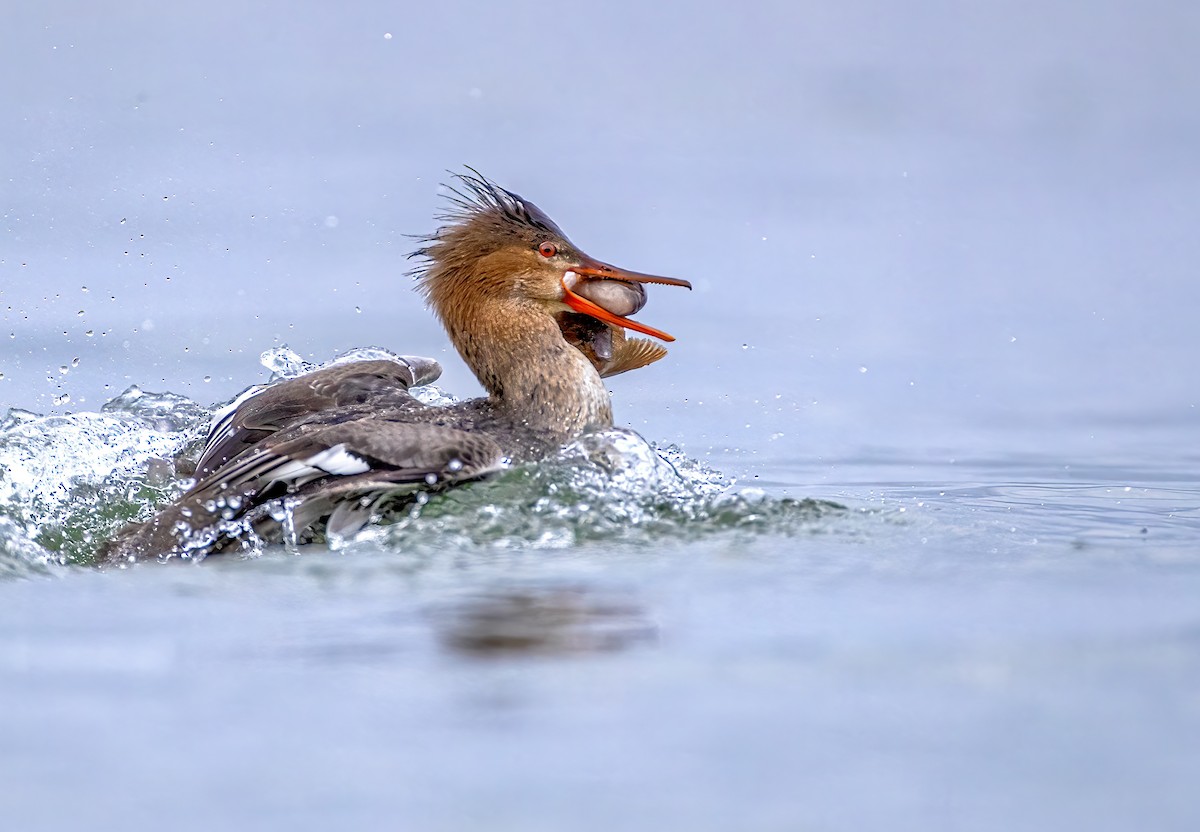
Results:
68 483
607 486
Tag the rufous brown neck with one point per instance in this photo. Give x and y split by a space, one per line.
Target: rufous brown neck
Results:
532 375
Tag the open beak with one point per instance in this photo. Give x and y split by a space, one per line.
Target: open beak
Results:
589 269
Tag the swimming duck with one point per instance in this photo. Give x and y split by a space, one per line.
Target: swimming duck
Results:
537 320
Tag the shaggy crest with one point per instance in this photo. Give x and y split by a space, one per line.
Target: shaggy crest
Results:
480 210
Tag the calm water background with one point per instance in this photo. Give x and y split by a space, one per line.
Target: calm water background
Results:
945 267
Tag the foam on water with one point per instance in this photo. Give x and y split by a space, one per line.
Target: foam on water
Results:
67 483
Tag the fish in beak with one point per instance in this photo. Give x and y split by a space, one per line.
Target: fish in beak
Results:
609 294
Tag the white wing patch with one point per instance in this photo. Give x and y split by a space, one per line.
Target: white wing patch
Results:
337 460
260 468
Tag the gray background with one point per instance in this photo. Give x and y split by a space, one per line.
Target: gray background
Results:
991 207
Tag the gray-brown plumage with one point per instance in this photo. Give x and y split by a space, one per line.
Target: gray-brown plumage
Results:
526 311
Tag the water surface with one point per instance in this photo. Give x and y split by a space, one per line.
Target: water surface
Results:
944 264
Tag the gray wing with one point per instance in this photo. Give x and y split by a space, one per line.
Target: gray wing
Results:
263 411
368 451
341 469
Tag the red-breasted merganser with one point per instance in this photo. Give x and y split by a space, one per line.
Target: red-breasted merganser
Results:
538 321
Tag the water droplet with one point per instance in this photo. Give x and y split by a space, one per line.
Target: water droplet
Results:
64 369
207 379
331 221
862 369
89 333
65 398
387 35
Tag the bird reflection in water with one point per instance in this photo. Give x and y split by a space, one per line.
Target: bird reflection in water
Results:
544 620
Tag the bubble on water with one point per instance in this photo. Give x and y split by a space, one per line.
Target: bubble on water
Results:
65 398
862 369
387 35
89 333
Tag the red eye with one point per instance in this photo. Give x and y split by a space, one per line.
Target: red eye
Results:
547 249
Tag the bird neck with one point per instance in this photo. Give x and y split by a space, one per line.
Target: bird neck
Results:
532 376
